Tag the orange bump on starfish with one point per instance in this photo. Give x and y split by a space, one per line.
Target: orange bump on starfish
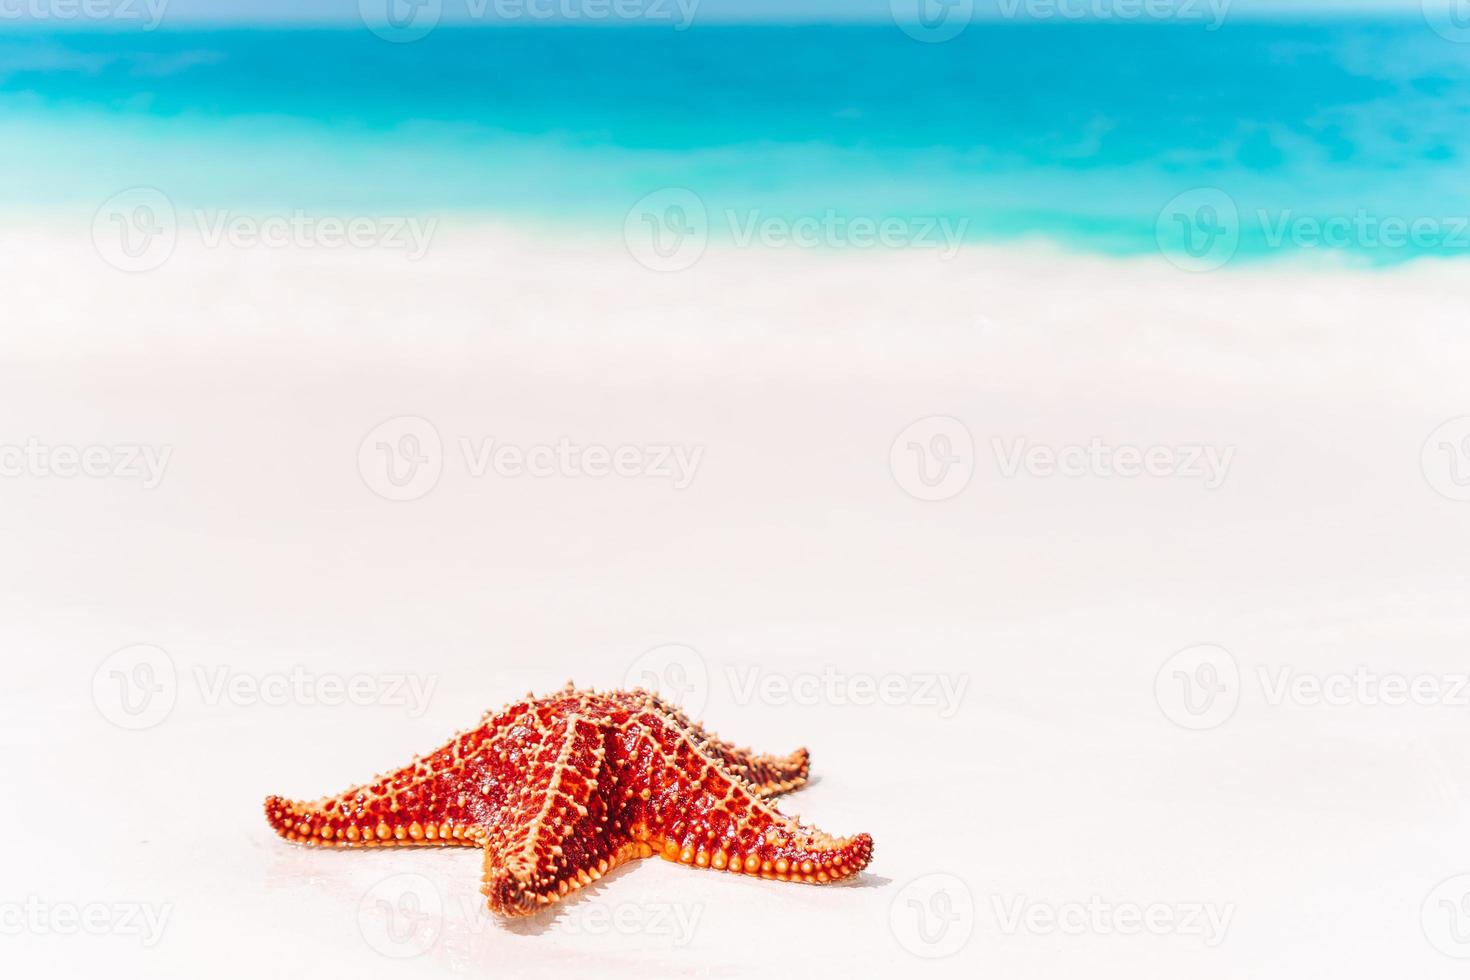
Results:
559 790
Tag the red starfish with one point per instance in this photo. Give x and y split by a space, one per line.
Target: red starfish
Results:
559 790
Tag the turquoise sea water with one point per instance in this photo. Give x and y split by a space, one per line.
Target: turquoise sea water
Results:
1083 135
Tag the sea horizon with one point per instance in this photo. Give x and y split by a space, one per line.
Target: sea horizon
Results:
1291 139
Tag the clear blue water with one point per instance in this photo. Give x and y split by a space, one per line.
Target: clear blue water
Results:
1078 134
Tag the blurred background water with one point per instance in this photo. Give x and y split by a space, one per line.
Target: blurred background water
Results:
1079 134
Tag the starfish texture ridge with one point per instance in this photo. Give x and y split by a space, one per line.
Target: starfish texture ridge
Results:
559 790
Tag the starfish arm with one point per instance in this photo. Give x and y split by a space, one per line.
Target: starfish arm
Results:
554 836
438 800
768 775
691 810
358 818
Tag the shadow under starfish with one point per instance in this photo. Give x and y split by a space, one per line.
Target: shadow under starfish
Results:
558 791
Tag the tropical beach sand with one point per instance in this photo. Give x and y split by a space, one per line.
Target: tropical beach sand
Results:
1022 621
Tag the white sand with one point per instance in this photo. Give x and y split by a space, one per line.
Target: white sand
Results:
1317 832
